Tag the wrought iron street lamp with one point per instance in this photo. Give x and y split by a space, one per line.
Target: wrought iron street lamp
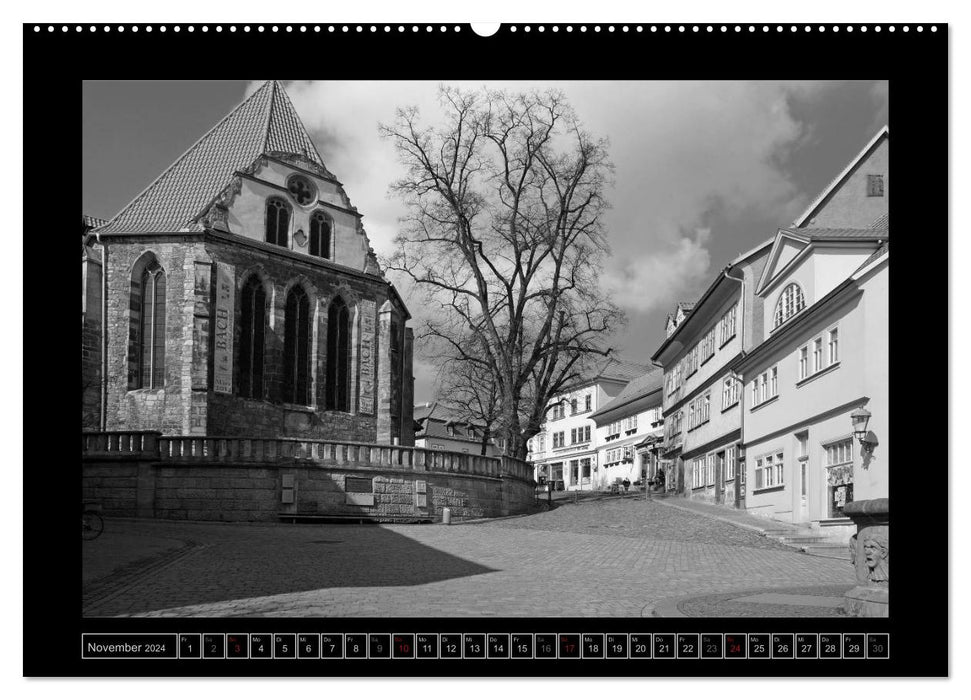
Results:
861 419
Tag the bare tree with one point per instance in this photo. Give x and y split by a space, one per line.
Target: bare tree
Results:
504 236
471 391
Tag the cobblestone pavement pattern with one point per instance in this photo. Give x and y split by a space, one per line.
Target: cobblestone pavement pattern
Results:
602 558
737 605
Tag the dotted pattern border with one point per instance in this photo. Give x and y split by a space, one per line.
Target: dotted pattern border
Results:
510 28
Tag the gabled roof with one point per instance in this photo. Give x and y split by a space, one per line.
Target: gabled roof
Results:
808 236
882 221
840 179
878 253
263 123
611 369
619 369
436 416
832 234
638 388
847 287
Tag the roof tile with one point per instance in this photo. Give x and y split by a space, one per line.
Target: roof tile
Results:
265 122
637 388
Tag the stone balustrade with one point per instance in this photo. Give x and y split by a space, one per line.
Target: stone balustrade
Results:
184 449
120 443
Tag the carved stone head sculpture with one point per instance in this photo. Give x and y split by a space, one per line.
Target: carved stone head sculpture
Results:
876 552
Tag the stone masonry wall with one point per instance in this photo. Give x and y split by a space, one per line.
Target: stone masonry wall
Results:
235 416
230 414
254 492
91 374
187 404
91 338
166 409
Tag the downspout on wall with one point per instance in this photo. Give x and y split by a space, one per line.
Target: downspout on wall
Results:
740 464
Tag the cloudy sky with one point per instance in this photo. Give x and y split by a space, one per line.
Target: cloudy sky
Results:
704 170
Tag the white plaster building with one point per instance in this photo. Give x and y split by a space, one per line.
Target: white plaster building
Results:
630 428
565 449
825 354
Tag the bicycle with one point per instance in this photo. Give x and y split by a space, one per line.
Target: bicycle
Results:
92 524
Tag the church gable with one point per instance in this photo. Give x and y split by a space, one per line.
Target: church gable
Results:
297 209
256 174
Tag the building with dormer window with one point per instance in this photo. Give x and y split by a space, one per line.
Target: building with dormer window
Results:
565 451
238 294
629 432
440 426
824 354
701 394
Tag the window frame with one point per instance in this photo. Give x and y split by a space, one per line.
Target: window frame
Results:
282 206
147 322
325 231
252 339
297 342
788 305
803 359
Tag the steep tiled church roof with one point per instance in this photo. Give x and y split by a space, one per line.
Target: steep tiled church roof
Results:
264 123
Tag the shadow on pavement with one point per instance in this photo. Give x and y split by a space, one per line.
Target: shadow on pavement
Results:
259 562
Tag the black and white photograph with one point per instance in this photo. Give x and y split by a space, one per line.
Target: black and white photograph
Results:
485 348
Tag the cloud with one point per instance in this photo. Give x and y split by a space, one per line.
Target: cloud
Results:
659 279
880 94
343 119
689 154
426 378
689 157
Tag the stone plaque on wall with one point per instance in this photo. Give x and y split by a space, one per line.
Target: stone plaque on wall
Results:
368 349
222 361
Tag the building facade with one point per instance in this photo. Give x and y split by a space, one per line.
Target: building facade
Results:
702 394
440 427
629 431
238 295
825 354
565 451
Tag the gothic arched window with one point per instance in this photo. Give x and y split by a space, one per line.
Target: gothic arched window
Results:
146 329
338 357
296 348
252 333
320 235
790 302
277 222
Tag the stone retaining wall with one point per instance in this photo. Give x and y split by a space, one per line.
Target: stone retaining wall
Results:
146 475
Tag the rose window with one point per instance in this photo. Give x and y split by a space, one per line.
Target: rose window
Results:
301 190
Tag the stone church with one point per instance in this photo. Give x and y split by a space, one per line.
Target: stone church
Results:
238 295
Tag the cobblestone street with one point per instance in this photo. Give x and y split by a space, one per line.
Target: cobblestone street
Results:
623 557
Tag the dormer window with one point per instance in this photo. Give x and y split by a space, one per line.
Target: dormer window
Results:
790 302
320 235
277 222
302 190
